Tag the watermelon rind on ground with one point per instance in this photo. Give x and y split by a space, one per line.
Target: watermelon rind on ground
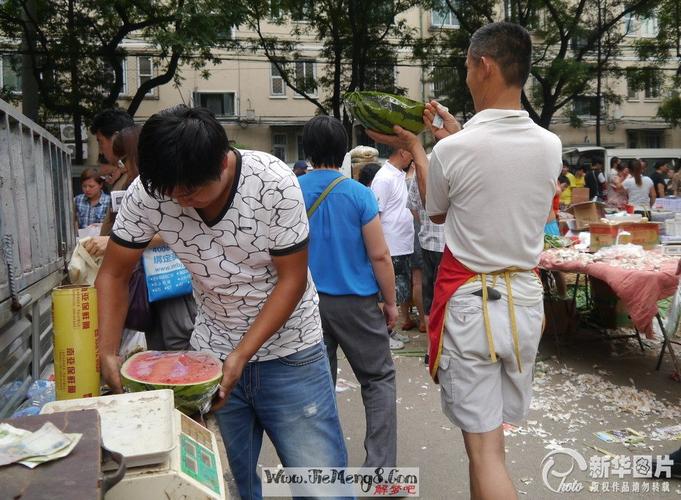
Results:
190 398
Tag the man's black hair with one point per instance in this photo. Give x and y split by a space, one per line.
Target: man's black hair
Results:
565 163
660 164
581 166
181 147
367 173
510 45
563 180
110 121
325 141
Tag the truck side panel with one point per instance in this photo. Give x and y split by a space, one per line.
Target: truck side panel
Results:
37 236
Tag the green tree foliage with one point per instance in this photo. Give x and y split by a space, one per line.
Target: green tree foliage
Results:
76 52
572 45
664 52
360 41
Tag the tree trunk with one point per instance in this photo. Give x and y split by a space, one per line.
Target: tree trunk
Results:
75 85
30 95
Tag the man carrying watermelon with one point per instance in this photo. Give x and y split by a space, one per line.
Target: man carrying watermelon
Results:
491 185
237 221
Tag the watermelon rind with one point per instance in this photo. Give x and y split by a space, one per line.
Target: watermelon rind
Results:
189 398
380 111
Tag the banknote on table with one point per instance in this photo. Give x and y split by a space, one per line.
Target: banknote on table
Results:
33 462
18 444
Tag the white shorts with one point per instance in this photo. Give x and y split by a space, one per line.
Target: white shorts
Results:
479 395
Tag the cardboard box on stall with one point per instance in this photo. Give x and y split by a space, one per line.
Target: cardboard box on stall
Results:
586 214
580 195
646 234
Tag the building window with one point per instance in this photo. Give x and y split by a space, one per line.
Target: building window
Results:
302 12
305 78
10 76
586 106
442 16
578 42
649 26
226 34
145 71
632 90
651 139
301 149
275 9
444 81
219 103
279 146
384 13
124 90
629 24
652 85
277 85
380 77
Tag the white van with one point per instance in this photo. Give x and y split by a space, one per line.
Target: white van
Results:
587 154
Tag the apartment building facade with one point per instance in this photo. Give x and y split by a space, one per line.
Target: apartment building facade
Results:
258 110
631 123
248 94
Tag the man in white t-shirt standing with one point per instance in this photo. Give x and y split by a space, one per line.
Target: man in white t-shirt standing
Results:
390 188
491 184
237 221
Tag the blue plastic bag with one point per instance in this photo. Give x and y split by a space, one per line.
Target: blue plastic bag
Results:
166 276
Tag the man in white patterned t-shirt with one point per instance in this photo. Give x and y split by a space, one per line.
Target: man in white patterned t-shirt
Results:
237 221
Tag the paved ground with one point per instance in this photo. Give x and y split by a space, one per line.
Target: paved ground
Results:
592 386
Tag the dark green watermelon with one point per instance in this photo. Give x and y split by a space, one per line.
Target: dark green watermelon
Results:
380 111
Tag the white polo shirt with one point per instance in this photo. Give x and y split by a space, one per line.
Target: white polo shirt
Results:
495 180
390 188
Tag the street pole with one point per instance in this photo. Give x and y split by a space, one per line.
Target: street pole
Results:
598 78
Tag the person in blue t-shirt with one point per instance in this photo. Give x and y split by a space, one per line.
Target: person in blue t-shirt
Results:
350 262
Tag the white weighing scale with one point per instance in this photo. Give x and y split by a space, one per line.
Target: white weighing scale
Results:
167 454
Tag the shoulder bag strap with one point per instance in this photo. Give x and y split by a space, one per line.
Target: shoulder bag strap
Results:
324 194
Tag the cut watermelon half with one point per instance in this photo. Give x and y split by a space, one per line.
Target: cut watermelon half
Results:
193 376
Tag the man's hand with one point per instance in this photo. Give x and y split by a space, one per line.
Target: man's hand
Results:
232 369
403 139
391 314
450 126
96 245
111 372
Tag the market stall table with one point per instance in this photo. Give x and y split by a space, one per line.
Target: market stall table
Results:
74 476
639 278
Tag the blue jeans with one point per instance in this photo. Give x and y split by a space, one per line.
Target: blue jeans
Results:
293 400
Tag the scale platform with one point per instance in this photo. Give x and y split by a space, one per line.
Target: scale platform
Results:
168 454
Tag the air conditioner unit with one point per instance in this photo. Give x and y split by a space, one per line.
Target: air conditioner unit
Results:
68 132
72 149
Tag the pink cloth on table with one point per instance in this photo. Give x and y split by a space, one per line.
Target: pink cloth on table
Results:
639 290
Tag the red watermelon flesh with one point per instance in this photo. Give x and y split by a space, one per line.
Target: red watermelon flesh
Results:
193 376
174 367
